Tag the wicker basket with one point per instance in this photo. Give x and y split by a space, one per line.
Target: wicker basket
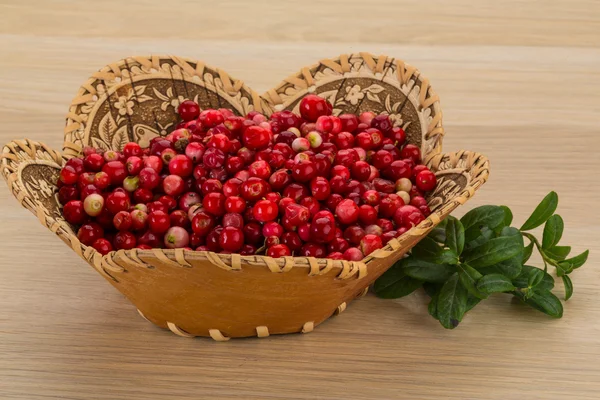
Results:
222 296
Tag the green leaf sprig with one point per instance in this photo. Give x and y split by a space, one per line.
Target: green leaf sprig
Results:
462 262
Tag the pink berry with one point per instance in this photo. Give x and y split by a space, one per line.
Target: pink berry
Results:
176 237
93 204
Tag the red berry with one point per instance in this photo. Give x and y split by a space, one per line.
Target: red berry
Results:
211 186
132 149
134 165
260 169
383 185
346 157
76 164
74 212
231 187
354 234
254 189
179 218
149 178
280 179
312 204
398 135
123 221
188 110
93 162
102 246
214 203
370 243
408 216
426 180
291 240
181 165
211 118
176 237
278 250
68 175
159 221
139 220
89 233
124 241
371 197
154 163
361 170
235 204
256 138
296 214
93 204
353 254
418 201
203 223
272 229
304 232
313 250
349 122
150 239
333 201
67 193
322 229
397 170
367 214
116 171
253 233
411 151
231 239
142 195
187 200
389 204
117 201
265 210
365 141
312 107
347 211
338 245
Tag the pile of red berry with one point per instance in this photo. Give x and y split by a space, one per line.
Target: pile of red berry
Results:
310 185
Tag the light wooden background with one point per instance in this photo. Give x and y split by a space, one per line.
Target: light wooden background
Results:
519 81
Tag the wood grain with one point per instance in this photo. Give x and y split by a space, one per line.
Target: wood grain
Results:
519 82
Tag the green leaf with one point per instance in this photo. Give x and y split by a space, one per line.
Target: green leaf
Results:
452 303
472 301
468 277
553 231
447 256
546 302
455 235
432 307
510 231
568 287
426 271
495 283
432 289
477 218
536 276
439 232
527 252
486 235
542 212
558 253
510 268
574 262
494 251
508 215
394 283
522 281
427 250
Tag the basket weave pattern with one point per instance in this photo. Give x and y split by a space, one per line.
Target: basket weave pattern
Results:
221 295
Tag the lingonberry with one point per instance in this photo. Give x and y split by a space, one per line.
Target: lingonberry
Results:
176 237
132 149
77 164
159 221
272 229
260 169
211 118
90 232
154 163
397 170
256 138
181 165
291 240
93 204
265 210
88 190
353 254
411 151
425 180
139 220
371 197
389 204
124 241
347 212
383 185
398 135
219 141
354 234
188 199
418 201
346 157
278 250
300 144
134 165
213 158
74 212
304 171
67 193
312 204
231 239
131 183
93 162
116 171
253 233
322 229
349 122
337 245
157 206
296 214
338 184
203 223
117 201
365 141
68 175
367 214
312 107
408 216
123 221
333 200
313 250
102 246
253 189
271 241
304 232
403 184
188 110
296 191
370 243
361 170
150 239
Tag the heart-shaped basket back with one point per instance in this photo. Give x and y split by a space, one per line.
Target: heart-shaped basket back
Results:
136 99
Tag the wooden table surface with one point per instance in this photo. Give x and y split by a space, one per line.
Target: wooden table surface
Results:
519 81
